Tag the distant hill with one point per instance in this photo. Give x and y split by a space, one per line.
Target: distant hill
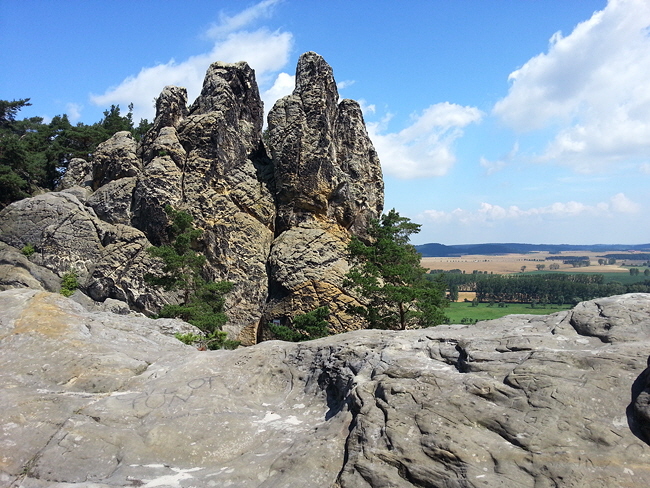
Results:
433 250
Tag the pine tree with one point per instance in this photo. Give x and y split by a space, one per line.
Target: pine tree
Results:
387 275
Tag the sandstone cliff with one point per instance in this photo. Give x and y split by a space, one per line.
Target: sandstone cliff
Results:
329 184
276 219
97 400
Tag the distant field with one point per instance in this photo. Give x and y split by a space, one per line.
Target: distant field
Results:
461 310
512 263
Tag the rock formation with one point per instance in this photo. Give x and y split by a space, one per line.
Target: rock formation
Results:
276 220
329 184
97 400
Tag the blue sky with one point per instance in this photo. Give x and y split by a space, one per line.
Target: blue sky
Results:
495 121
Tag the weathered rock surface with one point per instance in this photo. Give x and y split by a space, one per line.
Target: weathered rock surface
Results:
100 400
116 158
110 260
17 271
78 173
329 185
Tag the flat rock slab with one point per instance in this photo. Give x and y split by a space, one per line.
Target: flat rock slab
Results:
95 399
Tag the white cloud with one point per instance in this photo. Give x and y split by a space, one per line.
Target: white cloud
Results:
424 148
645 168
228 24
367 108
283 86
341 85
621 204
492 167
487 212
73 110
267 52
591 86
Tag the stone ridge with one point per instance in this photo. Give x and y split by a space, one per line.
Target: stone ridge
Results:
101 400
276 226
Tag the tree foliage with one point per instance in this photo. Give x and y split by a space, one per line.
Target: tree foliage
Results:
542 288
35 154
202 302
304 327
387 275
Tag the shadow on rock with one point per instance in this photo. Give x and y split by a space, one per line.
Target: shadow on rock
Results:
638 411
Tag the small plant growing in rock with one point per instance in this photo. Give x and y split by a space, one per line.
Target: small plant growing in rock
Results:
214 340
305 327
28 249
69 283
202 300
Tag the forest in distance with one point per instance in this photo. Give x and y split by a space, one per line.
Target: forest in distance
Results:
484 287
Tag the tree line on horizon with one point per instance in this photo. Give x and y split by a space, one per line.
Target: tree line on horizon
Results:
559 288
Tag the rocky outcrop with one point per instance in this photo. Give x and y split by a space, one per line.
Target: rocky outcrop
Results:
110 260
275 222
329 185
102 400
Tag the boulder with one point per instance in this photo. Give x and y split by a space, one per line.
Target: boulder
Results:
67 235
17 271
112 202
102 400
115 158
78 173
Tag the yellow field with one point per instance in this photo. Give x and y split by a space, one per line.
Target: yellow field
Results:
512 263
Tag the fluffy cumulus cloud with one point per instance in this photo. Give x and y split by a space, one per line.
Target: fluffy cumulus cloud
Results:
617 205
266 51
283 85
591 87
426 147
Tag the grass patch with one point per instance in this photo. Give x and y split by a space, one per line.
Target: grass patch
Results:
460 310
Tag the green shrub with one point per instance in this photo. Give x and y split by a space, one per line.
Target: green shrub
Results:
202 300
214 340
189 338
69 283
28 249
305 327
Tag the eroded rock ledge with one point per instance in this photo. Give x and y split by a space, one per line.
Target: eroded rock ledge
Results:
100 400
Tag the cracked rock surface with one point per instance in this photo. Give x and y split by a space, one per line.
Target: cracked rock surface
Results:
98 400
